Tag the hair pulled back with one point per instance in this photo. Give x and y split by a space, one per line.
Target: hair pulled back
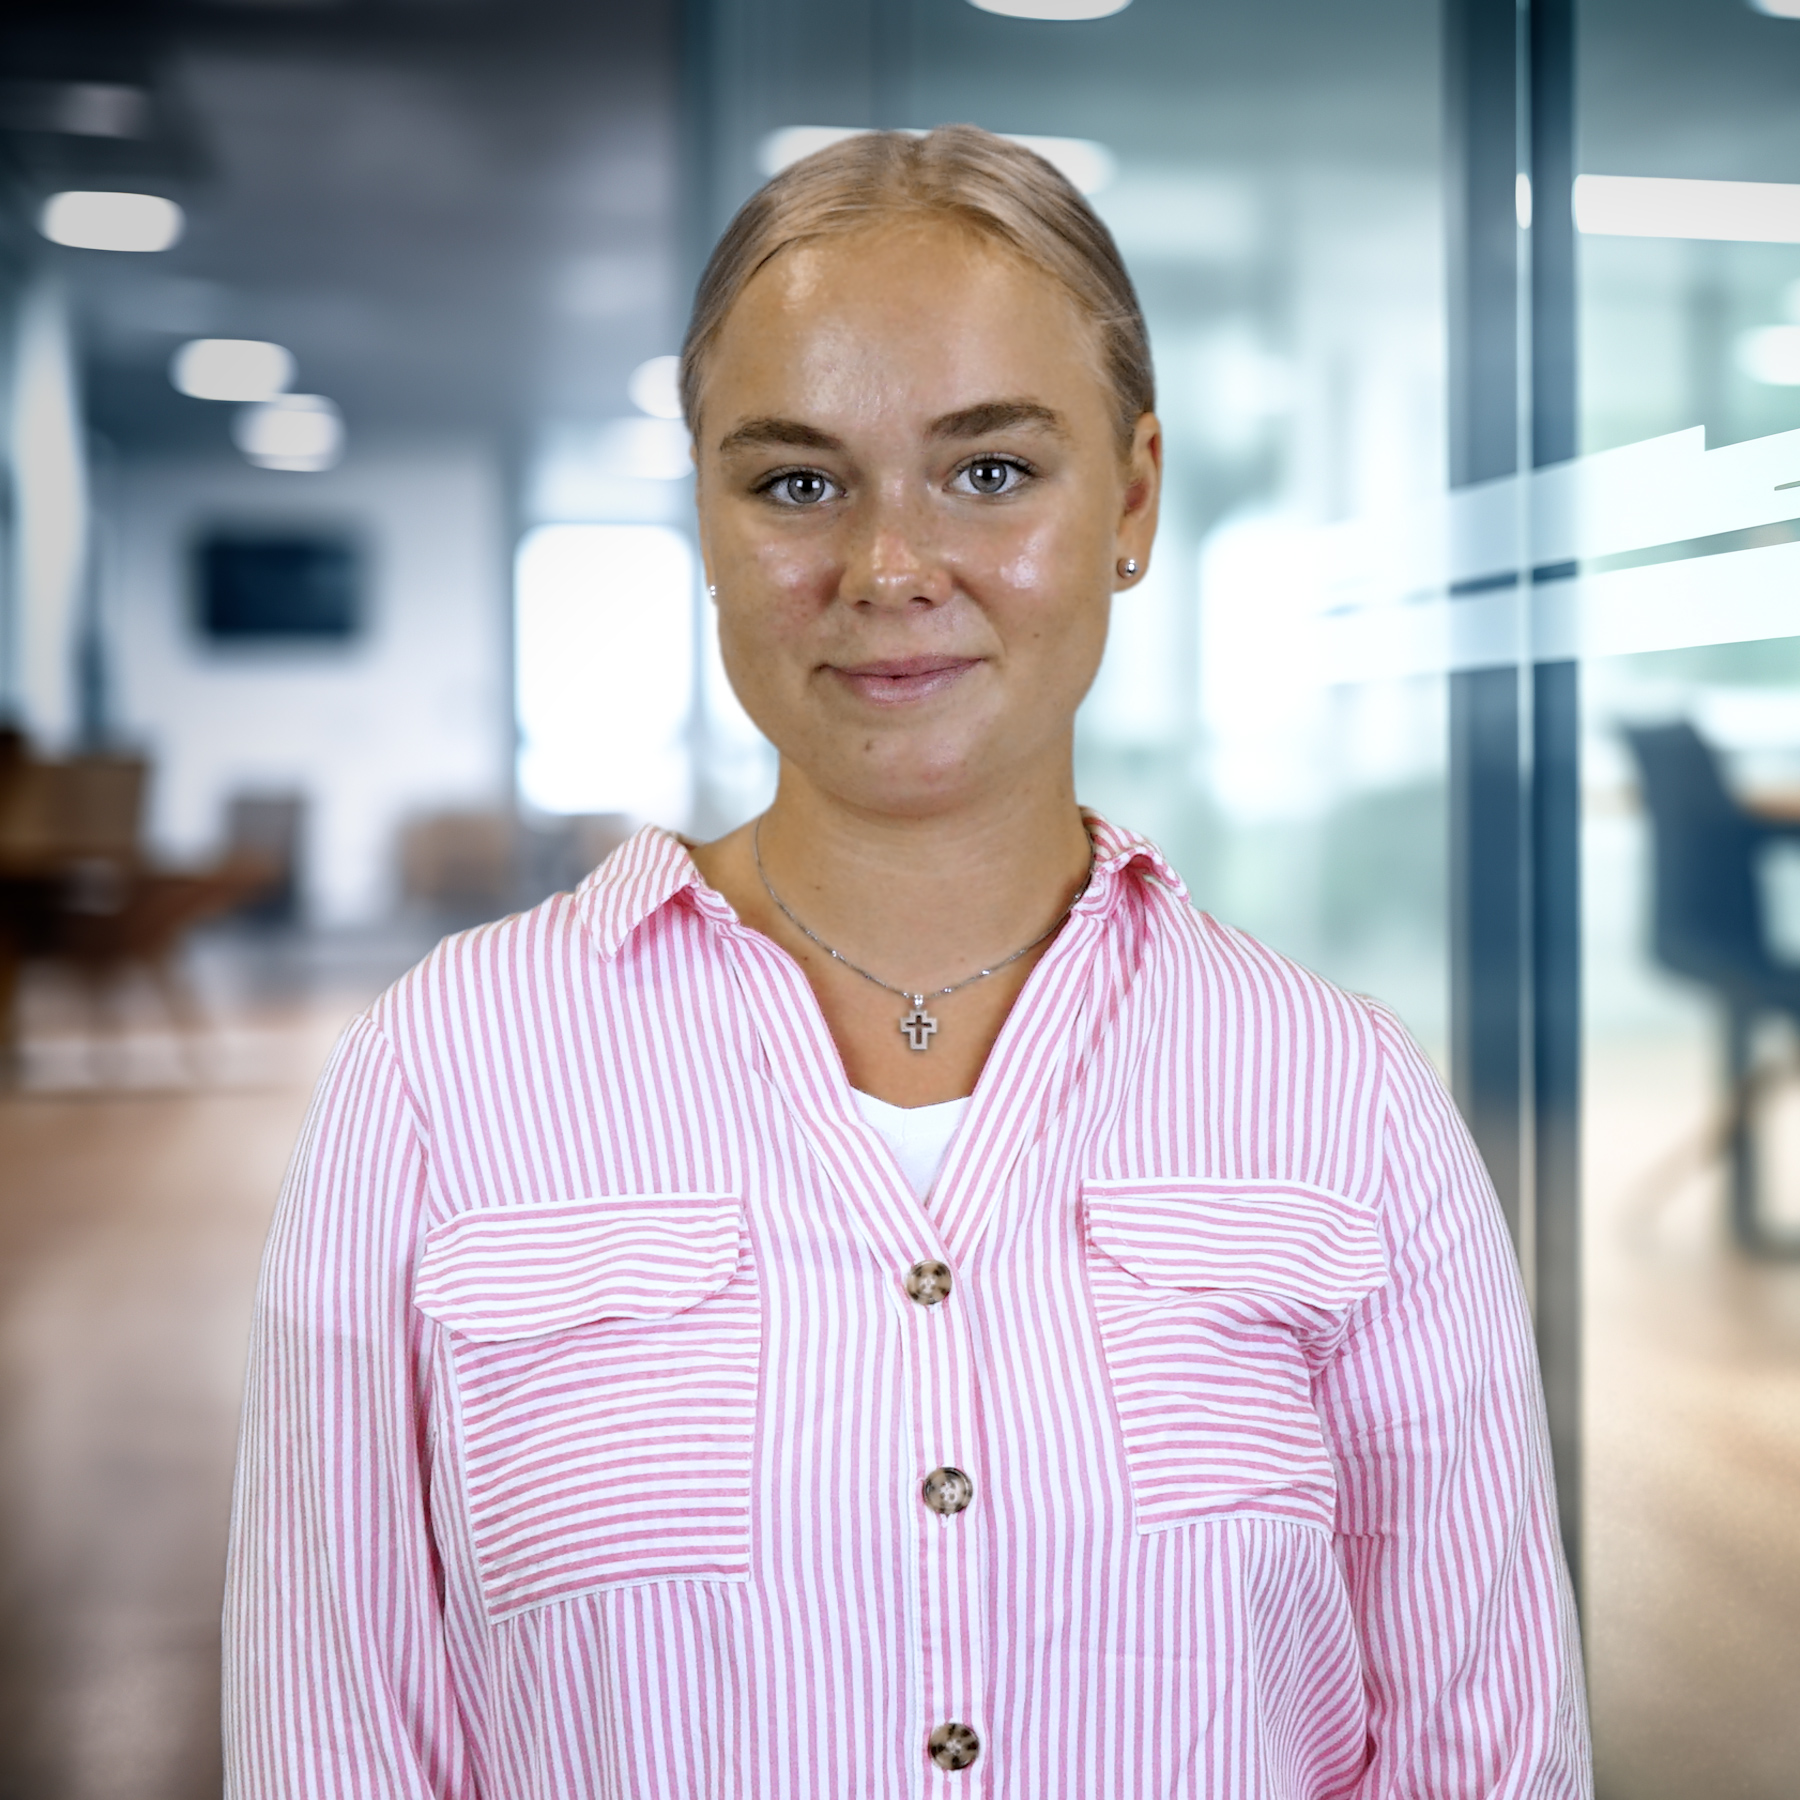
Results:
993 187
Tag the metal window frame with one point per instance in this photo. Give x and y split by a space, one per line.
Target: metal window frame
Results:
1515 872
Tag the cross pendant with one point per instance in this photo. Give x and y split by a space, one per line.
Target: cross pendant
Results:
918 1025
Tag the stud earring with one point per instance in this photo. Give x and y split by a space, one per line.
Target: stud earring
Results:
1127 566
712 593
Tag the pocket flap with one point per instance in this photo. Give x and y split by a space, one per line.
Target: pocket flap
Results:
1275 1237
524 1271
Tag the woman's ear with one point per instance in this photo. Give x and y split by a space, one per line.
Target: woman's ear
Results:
1143 495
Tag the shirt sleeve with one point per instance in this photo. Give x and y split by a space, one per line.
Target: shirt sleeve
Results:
337 1675
1447 1525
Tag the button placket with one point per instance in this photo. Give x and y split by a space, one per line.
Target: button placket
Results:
949 1531
908 1240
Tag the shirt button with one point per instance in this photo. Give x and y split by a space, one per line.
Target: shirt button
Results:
947 1491
928 1282
953 1746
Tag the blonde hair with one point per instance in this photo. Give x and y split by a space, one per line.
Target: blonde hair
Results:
995 188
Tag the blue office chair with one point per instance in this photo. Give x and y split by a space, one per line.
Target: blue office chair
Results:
1708 924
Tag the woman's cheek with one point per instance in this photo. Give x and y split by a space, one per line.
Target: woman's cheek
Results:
1031 562
797 579
760 669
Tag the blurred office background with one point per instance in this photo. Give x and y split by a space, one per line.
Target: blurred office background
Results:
348 595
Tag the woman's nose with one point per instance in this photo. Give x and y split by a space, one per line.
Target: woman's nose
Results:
894 559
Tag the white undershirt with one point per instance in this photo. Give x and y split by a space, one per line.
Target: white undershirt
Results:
919 1136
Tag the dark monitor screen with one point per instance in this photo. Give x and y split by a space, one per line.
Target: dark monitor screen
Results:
278 586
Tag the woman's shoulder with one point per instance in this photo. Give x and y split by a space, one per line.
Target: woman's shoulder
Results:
1231 964
1240 974
1258 1020
529 963
472 974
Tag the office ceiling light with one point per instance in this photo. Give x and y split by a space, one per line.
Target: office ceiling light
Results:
655 387
1777 9
1052 9
1090 166
231 369
1771 354
86 220
303 433
1749 212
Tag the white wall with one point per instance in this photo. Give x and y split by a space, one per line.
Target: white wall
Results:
412 715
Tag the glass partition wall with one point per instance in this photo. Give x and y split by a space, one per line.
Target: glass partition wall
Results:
1468 669
1690 773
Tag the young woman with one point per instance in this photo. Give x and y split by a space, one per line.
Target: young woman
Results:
894 1302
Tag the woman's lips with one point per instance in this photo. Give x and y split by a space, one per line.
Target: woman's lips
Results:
897 680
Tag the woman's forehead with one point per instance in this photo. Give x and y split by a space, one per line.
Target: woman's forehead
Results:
917 250
915 304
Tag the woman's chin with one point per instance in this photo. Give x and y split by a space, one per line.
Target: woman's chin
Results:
913 780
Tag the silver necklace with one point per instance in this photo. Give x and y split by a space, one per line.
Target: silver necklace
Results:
918 1027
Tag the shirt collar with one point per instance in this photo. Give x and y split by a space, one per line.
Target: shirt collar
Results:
652 868
1116 849
642 876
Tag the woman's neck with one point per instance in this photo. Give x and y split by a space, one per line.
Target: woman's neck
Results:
924 901
919 901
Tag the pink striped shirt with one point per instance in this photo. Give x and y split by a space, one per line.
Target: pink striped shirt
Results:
590 1411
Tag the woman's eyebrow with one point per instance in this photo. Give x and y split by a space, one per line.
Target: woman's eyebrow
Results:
998 415
788 433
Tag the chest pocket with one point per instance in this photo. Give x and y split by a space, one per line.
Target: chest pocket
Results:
1216 1301
605 1356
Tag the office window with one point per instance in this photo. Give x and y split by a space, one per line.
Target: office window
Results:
605 669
